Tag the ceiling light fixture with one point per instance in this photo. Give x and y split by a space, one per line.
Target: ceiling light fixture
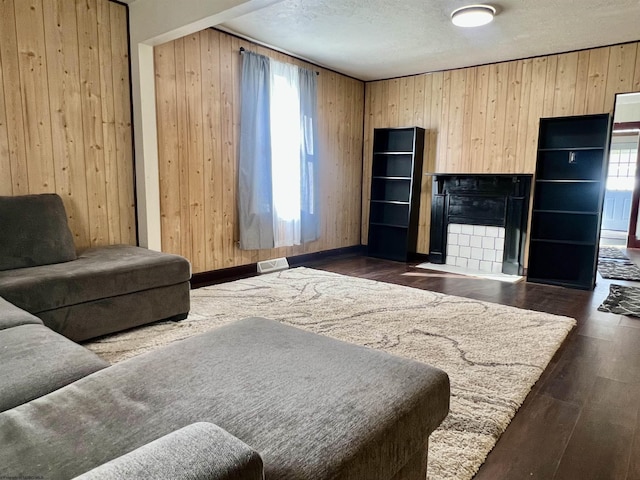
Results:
473 15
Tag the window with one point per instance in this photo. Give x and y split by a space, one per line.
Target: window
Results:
285 153
622 163
278 155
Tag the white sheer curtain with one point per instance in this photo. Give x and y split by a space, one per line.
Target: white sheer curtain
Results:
285 153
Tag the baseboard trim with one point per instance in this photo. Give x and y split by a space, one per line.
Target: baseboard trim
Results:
223 275
305 258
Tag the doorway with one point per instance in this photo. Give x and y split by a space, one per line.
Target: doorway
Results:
622 195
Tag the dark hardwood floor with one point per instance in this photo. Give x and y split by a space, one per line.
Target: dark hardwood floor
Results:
581 419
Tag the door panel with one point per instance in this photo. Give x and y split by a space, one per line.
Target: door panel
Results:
616 211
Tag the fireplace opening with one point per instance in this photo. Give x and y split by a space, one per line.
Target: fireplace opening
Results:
479 221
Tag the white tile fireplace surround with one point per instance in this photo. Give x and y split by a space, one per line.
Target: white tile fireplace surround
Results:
475 247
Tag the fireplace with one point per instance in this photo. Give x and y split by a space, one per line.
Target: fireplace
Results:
479 221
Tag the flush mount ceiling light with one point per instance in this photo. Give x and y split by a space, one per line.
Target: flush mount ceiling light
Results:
473 15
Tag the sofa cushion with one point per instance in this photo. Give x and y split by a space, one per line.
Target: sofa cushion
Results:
200 451
35 360
34 231
12 316
311 406
97 273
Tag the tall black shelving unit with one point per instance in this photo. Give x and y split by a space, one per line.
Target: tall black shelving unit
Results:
396 175
569 191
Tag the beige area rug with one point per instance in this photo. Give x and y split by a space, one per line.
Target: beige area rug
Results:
492 353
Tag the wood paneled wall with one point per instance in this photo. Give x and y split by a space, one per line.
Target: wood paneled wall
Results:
485 119
65 112
198 113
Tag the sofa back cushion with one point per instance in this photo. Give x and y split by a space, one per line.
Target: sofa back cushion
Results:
34 231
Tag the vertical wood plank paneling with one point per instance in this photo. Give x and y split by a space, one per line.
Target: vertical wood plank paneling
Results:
582 77
323 137
12 95
405 107
346 107
469 94
107 105
479 119
367 147
443 138
194 147
635 87
166 108
423 118
214 59
512 117
342 143
487 121
550 86
622 59
381 114
356 167
60 27
596 83
435 131
329 134
565 85
419 98
6 187
183 154
455 119
496 109
210 53
536 107
58 63
373 114
228 150
91 93
524 102
393 99
32 63
122 113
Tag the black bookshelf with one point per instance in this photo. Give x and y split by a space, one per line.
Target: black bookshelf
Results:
570 182
396 174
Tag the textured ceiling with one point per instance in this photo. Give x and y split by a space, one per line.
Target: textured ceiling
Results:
376 39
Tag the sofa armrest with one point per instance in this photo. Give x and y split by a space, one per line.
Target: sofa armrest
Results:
200 451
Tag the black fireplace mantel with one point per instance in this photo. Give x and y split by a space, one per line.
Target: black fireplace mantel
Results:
500 200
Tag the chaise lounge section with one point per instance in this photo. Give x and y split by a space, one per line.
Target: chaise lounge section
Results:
102 290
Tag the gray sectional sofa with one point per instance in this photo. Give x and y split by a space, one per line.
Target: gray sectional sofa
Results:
95 292
251 400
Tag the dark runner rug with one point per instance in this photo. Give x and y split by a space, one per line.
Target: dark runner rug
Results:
618 269
613 253
622 301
